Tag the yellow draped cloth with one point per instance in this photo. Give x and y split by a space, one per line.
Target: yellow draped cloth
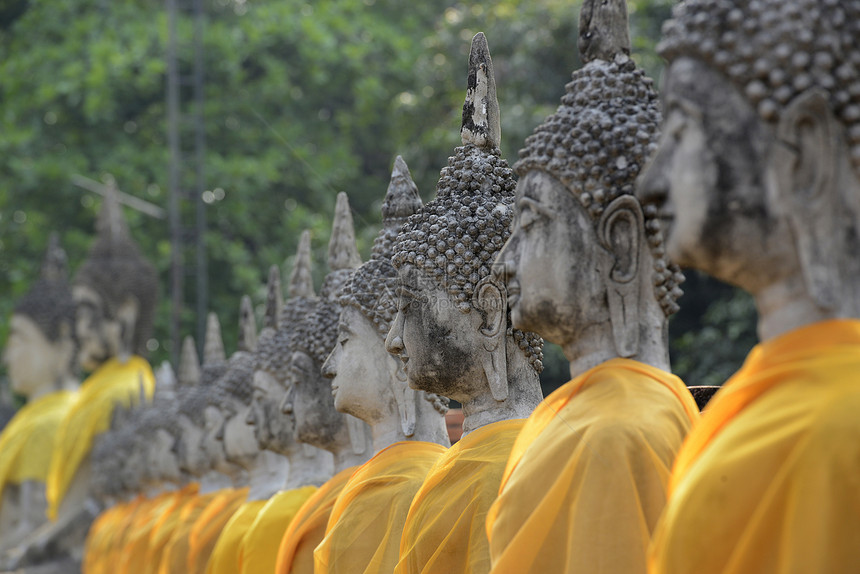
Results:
174 557
99 535
90 414
208 526
224 558
116 542
444 532
364 529
136 543
259 549
165 526
306 531
27 441
769 482
587 477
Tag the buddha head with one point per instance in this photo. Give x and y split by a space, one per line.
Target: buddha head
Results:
229 439
115 292
157 437
309 400
193 400
367 381
585 265
757 176
452 330
275 430
40 350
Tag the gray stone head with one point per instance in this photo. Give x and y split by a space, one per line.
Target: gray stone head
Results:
585 257
444 255
115 290
758 173
40 351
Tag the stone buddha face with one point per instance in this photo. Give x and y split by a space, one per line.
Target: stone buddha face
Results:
162 456
273 429
437 342
99 332
192 458
361 367
240 444
34 362
712 181
212 441
553 263
310 402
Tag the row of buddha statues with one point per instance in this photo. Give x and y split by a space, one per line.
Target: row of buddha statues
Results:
320 445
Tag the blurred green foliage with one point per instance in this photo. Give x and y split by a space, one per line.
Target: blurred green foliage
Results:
303 99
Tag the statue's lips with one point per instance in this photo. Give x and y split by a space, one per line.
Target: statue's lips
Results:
513 289
334 389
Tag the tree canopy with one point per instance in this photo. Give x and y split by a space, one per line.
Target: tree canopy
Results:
302 100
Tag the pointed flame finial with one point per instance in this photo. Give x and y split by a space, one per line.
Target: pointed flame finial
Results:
247 326
301 279
213 346
604 31
342 251
481 124
401 199
274 299
111 225
189 363
55 267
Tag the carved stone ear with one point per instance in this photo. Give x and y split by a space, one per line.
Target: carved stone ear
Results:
127 314
809 132
620 231
491 299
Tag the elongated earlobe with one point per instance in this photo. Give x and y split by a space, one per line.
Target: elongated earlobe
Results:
806 166
490 299
620 231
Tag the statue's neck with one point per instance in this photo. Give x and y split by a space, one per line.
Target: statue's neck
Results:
524 395
214 480
66 382
309 466
267 476
786 305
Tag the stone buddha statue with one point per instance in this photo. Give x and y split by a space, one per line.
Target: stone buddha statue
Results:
757 182
309 400
115 292
309 466
454 336
40 358
274 430
408 426
586 267
368 382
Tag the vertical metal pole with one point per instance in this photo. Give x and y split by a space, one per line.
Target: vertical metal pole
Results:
200 152
174 183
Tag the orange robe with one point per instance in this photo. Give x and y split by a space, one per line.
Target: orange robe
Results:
116 541
364 529
259 549
136 543
208 526
99 535
224 558
174 557
166 525
587 477
306 531
769 481
444 532
112 384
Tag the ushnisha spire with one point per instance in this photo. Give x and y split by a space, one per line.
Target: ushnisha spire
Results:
342 251
189 363
55 267
481 123
274 300
213 347
604 31
247 326
301 279
111 225
401 201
